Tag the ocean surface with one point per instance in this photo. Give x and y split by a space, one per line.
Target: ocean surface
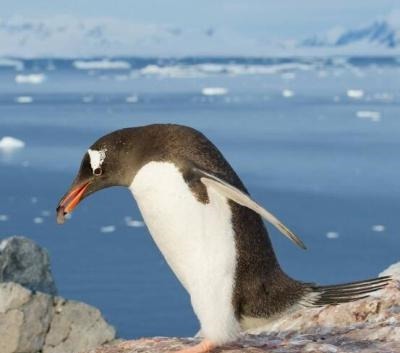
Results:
315 141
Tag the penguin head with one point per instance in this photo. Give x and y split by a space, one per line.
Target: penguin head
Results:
110 161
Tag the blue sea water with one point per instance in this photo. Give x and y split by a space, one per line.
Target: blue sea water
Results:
316 141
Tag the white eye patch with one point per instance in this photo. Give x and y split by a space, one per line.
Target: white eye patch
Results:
96 158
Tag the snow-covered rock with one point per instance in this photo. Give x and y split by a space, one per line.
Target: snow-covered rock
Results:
383 32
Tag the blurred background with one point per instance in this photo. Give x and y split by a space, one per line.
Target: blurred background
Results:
303 98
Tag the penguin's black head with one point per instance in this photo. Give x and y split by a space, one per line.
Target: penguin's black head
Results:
110 161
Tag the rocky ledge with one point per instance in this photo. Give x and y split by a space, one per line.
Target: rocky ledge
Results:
366 326
32 318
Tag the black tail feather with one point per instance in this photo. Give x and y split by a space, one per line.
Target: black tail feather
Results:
343 293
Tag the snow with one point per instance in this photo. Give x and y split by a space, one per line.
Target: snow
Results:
104 64
24 99
8 144
214 91
34 79
108 229
355 93
287 93
73 37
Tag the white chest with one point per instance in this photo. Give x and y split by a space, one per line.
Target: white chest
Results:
196 240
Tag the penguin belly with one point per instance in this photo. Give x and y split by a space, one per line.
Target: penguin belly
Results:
197 241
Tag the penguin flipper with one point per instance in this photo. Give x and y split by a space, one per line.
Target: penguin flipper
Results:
241 198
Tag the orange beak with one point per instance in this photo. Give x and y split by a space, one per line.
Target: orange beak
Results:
70 201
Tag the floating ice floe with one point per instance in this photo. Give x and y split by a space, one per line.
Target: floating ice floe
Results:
369 114
355 93
87 99
24 99
3 217
332 235
34 79
288 76
38 220
107 229
45 213
9 144
287 93
104 64
214 91
378 228
132 99
384 96
133 222
16 64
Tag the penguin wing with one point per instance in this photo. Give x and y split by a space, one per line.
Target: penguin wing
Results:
241 198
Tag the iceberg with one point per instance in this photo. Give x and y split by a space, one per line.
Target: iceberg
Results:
355 93
133 222
369 114
214 91
108 229
9 144
287 93
24 100
34 79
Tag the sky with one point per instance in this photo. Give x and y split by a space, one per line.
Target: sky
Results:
278 19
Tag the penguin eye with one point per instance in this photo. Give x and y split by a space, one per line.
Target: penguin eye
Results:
98 171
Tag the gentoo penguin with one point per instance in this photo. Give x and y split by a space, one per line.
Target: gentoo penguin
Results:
206 225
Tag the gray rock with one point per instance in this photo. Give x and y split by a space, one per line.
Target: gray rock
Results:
75 327
32 319
38 322
24 319
24 262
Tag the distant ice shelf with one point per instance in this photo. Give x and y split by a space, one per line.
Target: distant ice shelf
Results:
103 64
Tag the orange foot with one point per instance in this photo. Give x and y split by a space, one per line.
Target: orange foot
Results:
204 346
